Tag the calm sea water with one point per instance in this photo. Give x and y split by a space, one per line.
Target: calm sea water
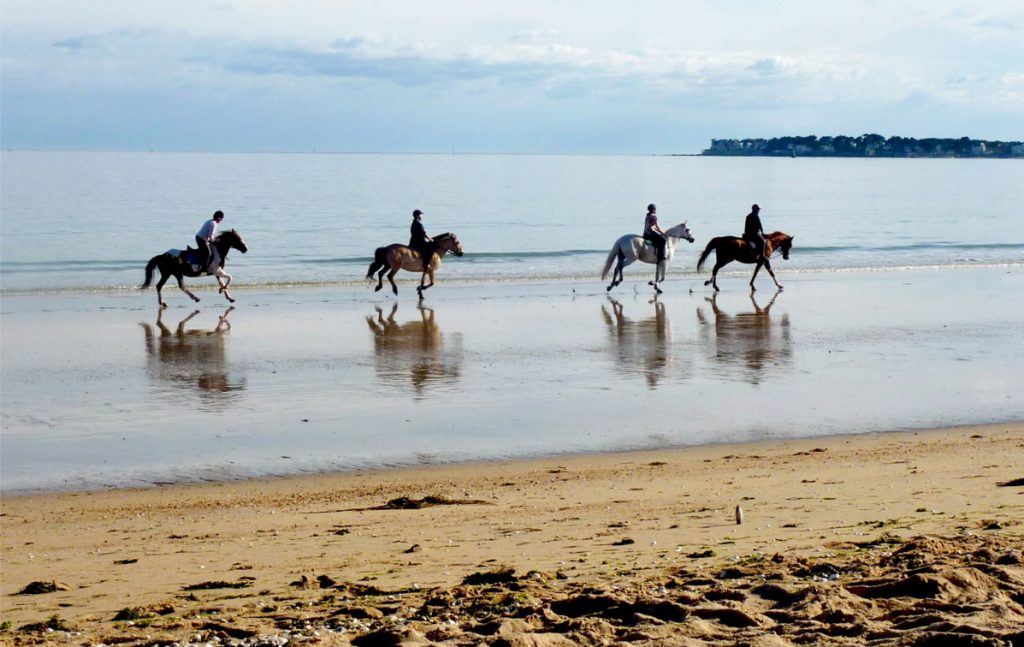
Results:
87 221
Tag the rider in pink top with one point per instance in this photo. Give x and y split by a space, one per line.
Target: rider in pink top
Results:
653 231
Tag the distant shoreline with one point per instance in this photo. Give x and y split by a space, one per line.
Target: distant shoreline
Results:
866 146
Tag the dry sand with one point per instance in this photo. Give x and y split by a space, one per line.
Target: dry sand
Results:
902 538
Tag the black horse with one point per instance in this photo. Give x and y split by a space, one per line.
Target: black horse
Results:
178 263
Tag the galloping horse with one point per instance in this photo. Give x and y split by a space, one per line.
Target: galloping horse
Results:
178 263
730 248
631 248
396 257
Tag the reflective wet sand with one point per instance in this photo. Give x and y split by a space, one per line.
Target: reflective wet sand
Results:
103 390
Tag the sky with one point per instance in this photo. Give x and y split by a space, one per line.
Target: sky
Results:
516 76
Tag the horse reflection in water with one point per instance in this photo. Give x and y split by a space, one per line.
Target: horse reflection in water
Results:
192 358
752 340
415 350
642 346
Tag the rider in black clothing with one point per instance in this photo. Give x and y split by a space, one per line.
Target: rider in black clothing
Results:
420 241
753 232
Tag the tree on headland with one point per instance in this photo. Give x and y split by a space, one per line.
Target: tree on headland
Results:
866 145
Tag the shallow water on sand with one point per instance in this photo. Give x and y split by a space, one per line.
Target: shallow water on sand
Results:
102 390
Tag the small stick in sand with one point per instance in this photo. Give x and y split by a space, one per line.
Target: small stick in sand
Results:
739 515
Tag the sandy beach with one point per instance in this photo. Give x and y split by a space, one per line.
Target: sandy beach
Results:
899 538
518 464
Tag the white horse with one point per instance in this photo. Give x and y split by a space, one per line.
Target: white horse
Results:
631 248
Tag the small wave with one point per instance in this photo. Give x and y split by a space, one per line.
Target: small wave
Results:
946 246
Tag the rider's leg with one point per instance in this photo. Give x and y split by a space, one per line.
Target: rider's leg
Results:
428 253
203 247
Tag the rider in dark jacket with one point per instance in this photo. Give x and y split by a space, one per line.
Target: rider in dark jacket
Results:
420 241
753 232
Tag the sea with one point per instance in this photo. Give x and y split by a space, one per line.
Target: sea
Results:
74 221
901 311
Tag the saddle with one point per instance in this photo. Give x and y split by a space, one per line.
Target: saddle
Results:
191 257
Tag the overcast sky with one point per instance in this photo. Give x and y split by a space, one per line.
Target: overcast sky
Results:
558 76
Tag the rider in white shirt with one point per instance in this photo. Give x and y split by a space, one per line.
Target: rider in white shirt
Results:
204 239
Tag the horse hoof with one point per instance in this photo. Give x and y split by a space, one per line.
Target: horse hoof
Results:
707 283
377 289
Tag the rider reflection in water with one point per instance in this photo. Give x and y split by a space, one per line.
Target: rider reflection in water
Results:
653 231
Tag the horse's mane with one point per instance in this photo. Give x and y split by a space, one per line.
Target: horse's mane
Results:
446 234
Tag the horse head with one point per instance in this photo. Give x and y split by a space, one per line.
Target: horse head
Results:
449 242
782 242
231 239
680 231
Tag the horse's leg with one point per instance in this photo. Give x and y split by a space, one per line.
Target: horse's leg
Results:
380 277
714 276
757 268
658 276
429 274
391 280
181 286
616 274
222 274
768 266
619 271
224 285
159 286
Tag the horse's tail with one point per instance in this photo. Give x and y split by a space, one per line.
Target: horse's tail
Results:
150 266
380 259
612 257
707 252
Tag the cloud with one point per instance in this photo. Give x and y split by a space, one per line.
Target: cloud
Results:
398 83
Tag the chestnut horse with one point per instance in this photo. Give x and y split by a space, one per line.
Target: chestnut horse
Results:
396 257
730 248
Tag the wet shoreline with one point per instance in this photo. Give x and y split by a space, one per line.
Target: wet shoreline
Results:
104 391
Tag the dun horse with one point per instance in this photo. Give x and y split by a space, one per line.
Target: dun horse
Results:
730 248
631 248
396 257
178 263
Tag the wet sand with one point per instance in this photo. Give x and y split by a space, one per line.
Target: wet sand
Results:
902 538
742 400
103 390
